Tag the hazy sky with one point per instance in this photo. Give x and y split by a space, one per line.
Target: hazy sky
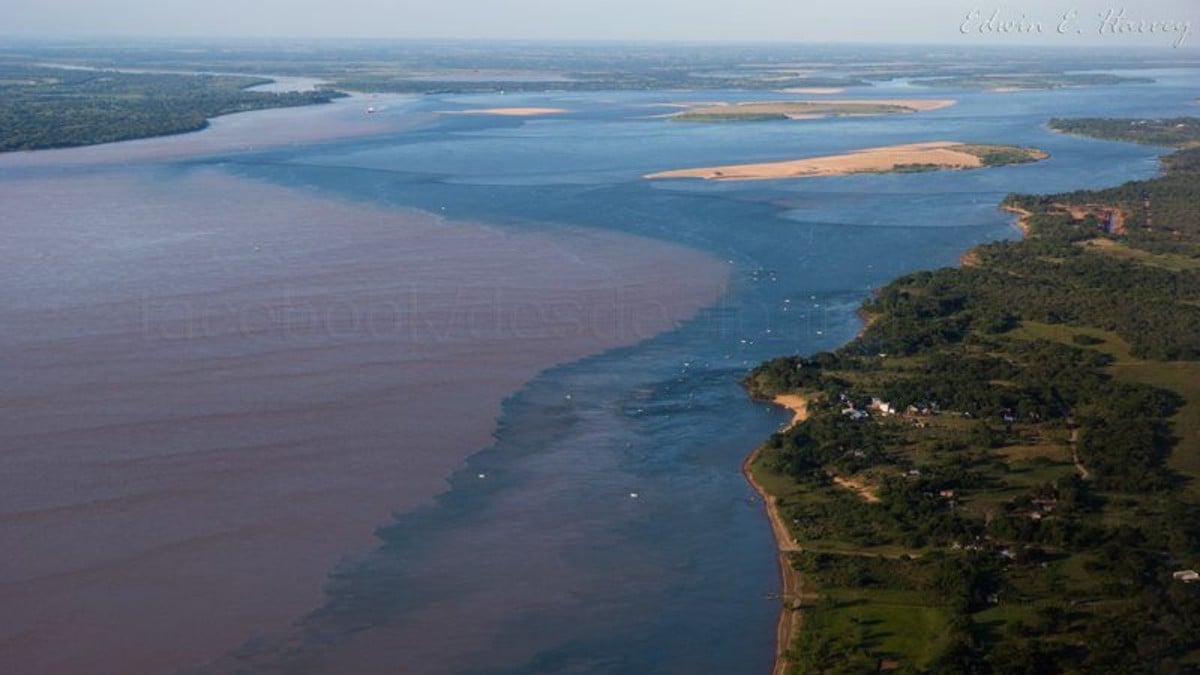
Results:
935 21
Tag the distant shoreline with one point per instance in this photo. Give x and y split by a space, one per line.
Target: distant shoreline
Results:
173 113
237 132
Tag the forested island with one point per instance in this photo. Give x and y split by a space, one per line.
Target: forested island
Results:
43 107
1001 474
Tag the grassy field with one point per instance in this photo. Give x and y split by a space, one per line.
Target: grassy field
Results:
1182 377
897 625
1168 261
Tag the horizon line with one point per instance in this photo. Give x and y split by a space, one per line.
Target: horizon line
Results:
606 41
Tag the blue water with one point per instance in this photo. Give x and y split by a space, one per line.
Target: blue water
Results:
547 564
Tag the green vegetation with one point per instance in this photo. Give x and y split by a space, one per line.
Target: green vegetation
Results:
465 67
915 168
773 111
1030 81
1178 132
1002 473
1000 155
44 107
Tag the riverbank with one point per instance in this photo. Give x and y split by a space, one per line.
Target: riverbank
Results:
1021 222
946 471
340 119
792 583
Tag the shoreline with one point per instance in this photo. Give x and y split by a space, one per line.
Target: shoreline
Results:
917 157
970 257
1021 222
791 582
267 129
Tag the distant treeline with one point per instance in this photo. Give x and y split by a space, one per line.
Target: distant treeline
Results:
43 107
1174 132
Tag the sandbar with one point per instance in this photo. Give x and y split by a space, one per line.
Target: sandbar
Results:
791 581
927 156
814 90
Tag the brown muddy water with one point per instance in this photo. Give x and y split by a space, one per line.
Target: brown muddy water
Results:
212 391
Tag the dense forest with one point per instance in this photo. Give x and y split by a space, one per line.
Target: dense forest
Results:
43 107
1001 474
1175 132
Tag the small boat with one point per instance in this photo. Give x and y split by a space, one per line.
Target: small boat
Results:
370 109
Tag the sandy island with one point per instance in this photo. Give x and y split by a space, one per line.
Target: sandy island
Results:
792 582
935 155
814 90
510 112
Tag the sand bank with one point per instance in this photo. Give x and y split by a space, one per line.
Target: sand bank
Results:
792 582
796 403
816 91
1022 220
941 154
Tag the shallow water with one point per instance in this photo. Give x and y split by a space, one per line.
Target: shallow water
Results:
540 559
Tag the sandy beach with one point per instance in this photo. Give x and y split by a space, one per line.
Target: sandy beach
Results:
1021 222
869 160
792 582
796 403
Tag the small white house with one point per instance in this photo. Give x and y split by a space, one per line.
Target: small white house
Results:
882 406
